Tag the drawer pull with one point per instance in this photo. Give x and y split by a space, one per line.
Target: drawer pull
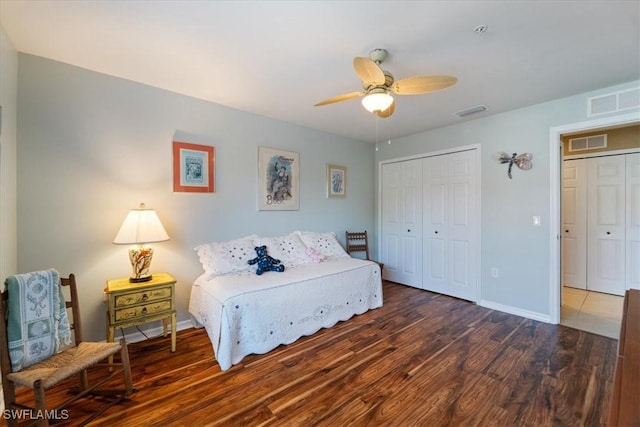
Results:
145 297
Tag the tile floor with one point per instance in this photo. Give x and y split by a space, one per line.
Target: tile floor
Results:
591 311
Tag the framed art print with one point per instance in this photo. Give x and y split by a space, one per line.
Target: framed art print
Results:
336 181
193 167
278 180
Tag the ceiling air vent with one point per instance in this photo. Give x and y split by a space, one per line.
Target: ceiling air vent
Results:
614 102
472 110
593 142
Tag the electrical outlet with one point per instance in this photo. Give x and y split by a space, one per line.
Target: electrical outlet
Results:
495 273
536 221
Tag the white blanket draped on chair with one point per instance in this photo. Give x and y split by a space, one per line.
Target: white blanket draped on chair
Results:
37 324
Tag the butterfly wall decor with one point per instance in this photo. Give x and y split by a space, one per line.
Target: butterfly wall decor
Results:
523 161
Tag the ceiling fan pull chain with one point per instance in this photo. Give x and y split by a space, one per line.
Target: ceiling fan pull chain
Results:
376 119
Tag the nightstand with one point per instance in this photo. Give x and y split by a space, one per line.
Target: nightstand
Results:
132 304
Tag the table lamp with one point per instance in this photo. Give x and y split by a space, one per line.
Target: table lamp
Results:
141 226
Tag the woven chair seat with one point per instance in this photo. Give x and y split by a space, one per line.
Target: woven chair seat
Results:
65 364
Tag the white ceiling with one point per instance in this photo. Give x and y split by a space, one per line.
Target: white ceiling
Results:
278 58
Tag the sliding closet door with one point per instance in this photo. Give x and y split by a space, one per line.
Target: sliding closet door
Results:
574 223
633 220
451 240
606 224
402 222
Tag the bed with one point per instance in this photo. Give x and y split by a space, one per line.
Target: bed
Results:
244 313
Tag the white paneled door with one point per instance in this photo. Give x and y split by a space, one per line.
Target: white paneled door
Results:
402 222
450 218
574 224
606 224
601 223
430 223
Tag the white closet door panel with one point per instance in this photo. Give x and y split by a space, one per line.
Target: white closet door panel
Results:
435 238
607 256
463 226
410 246
436 260
391 252
606 224
435 187
412 192
402 222
460 201
574 224
392 207
435 220
391 216
450 225
437 198
460 263
572 265
633 220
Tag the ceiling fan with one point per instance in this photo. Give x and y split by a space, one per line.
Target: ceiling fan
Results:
378 84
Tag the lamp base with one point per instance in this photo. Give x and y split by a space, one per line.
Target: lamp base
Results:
140 279
140 258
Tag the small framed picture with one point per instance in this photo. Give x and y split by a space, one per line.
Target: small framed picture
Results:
336 181
193 168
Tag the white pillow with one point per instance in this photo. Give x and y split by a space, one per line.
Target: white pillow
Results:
227 257
288 249
325 243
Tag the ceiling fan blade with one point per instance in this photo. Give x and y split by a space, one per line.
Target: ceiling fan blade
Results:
339 98
388 112
422 84
368 71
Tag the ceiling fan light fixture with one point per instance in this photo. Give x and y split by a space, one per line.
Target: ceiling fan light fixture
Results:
377 101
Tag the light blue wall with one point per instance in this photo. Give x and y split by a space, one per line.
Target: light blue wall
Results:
8 148
8 138
92 146
510 242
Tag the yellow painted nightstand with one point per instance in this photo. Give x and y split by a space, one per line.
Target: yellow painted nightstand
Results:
132 304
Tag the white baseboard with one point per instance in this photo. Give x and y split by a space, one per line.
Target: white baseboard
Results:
517 311
137 336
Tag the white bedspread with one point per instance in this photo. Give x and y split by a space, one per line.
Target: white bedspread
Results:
245 313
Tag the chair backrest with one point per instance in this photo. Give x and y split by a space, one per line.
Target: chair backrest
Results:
74 320
357 242
74 305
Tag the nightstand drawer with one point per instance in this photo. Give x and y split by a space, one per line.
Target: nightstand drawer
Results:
142 296
142 310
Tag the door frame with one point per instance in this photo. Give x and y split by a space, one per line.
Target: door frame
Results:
555 166
445 151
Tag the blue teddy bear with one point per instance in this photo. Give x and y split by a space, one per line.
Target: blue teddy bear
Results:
265 262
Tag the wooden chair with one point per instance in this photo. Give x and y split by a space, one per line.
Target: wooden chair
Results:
358 242
75 360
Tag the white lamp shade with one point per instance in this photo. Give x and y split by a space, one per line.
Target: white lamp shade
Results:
141 226
379 101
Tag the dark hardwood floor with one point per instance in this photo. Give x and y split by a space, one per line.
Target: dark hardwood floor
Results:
422 359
